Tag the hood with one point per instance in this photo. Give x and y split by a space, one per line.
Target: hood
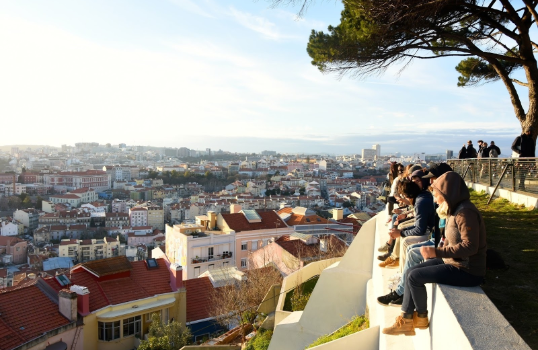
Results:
452 188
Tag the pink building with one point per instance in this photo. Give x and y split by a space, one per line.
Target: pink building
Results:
253 230
14 246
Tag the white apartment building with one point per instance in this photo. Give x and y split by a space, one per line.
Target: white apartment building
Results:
138 216
8 229
200 247
89 249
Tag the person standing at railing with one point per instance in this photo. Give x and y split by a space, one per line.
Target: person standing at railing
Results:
494 150
467 151
523 146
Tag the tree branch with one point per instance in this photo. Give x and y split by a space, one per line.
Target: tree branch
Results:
520 83
532 10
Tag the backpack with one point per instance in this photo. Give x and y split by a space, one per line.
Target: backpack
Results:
494 260
493 153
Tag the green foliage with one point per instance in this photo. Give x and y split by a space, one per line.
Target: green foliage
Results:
169 336
511 231
299 300
305 289
475 70
372 35
260 341
357 323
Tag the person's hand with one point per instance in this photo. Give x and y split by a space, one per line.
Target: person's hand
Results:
427 252
401 217
397 211
394 233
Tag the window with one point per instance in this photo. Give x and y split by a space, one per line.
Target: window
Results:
254 245
244 262
108 330
166 316
210 253
132 325
244 246
197 271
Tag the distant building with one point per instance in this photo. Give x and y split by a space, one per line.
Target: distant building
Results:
377 149
368 154
449 154
268 153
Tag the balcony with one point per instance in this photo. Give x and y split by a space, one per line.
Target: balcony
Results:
224 256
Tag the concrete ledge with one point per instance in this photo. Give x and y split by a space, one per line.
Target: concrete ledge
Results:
522 198
368 339
473 316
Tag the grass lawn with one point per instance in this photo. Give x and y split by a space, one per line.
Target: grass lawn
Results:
357 323
512 231
308 287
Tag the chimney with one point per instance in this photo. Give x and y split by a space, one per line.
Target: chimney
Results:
212 219
323 244
83 299
67 302
235 208
338 213
176 276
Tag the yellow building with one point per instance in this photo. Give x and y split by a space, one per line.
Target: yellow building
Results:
117 298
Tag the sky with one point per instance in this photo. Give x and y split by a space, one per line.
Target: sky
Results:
221 74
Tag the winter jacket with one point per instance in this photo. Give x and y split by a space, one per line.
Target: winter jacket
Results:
524 145
424 216
463 153
465 232
470 152
497 149
483 152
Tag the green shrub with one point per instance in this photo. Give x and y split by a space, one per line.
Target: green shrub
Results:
299 300
260 341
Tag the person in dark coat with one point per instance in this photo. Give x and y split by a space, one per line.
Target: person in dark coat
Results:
524 146
467 151
493 146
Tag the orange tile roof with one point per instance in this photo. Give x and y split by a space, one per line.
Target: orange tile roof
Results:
110 266
27 313
198 294
238 222
121 288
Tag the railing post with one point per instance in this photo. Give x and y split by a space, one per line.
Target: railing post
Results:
513 175
490 175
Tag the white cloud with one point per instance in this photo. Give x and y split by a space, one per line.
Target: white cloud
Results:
192 7
258 24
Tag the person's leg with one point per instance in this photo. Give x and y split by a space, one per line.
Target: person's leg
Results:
396 249
413 258
433 271
406 243
409 303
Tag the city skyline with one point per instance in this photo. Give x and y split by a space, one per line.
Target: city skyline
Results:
230 74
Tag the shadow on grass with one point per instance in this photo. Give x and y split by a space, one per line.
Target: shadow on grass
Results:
512 230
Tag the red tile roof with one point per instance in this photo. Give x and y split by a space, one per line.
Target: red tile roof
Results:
198 295
121 288
238 222
26 313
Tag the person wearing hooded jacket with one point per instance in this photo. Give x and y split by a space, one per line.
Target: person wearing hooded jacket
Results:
461 261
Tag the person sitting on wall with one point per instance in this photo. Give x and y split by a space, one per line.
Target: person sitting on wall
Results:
461 261
413 256
416 190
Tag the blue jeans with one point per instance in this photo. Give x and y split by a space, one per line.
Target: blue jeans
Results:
394 217
432 271
413 258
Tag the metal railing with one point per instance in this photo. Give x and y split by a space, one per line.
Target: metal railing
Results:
515 174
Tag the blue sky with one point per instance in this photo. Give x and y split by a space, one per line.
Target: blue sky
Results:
224 74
